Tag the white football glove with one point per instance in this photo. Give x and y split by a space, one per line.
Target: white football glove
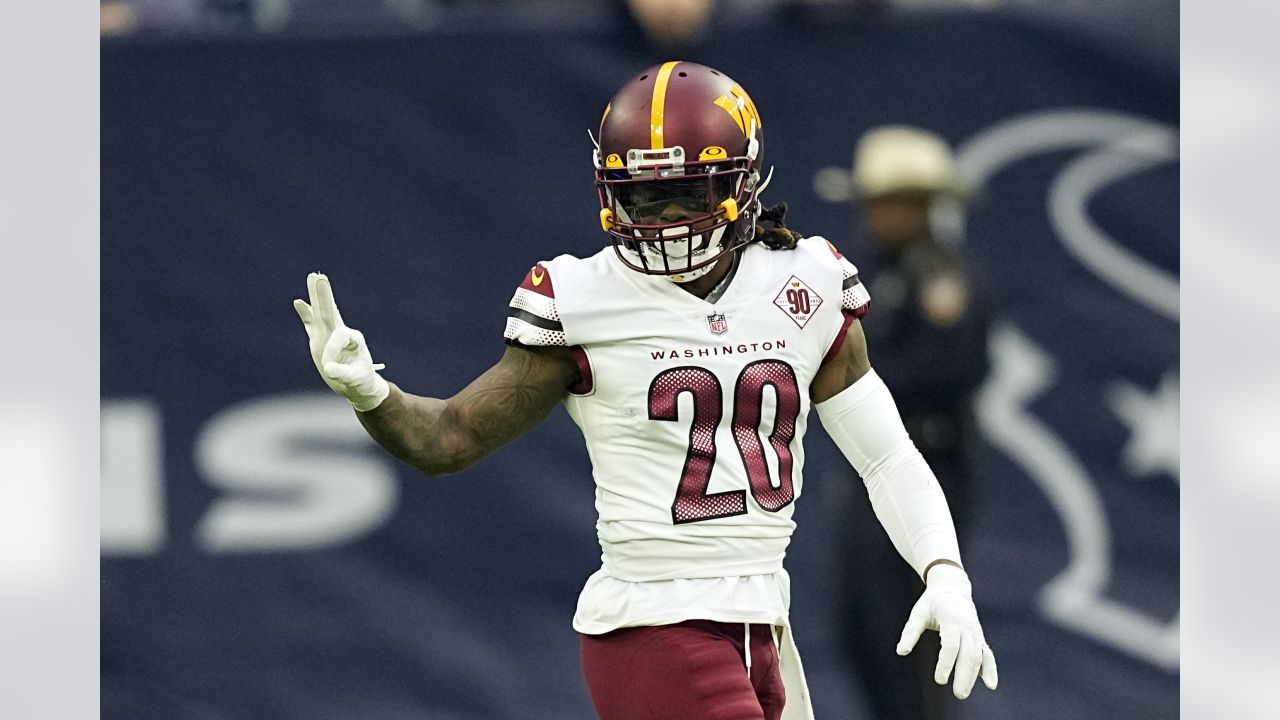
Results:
339 352
947 606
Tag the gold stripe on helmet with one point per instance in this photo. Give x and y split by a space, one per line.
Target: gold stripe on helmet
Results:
659 103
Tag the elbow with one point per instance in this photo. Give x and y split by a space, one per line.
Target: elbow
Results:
440 469
434 469
904 454
432 454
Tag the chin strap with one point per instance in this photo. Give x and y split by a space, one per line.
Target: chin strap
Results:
759 206
595 150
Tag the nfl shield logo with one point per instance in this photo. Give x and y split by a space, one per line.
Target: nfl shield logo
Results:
716 324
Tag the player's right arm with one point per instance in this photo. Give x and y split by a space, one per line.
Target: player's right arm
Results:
444 436
436 436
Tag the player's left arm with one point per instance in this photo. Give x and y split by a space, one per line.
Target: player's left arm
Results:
844 368
858 412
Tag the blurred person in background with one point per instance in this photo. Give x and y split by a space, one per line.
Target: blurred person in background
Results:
672 27
929 332
122 17
683 28
688 352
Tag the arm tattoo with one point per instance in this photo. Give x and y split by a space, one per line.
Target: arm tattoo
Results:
511 398
445 436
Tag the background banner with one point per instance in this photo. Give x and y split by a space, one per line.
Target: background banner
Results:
262 558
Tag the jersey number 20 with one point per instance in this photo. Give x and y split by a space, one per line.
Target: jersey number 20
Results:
692 502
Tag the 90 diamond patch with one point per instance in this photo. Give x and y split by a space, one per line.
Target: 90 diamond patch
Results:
798 301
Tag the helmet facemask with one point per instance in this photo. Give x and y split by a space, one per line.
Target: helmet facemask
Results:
677 170
670 218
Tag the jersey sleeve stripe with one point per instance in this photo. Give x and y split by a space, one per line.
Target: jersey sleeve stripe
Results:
533 317
838 341
537 321
537 304
856 300
853 294
519 332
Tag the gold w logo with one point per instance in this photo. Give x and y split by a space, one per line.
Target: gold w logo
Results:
740 108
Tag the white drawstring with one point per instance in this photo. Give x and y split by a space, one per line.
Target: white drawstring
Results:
746 646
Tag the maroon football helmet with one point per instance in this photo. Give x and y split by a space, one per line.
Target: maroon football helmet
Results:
677 169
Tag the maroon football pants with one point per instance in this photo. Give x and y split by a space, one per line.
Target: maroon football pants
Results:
694 670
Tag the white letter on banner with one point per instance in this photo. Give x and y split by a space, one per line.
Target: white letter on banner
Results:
132 502
297 475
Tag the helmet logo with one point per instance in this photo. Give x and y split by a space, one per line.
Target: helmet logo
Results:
740 108
613 161
715 152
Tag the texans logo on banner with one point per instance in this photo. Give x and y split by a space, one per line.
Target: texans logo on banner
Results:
1120 258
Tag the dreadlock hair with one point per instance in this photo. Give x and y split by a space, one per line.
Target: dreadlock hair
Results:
771 231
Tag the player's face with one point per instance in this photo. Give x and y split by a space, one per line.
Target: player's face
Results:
678 221
897 219
670 201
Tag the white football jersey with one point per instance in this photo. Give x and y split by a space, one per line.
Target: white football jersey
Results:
693 412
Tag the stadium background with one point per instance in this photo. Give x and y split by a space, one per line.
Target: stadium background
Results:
262 559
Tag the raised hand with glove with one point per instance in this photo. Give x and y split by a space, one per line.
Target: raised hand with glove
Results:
340 353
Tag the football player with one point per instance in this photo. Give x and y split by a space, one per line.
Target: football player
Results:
689 352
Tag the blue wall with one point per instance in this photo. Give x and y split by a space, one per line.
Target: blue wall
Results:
261 558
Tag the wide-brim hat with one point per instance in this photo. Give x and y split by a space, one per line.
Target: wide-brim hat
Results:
896 159
899 158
